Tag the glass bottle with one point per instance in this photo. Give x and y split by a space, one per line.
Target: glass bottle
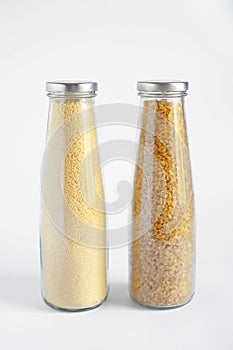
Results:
73 246
163 241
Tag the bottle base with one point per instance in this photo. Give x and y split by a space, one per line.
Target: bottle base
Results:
162 307
64 309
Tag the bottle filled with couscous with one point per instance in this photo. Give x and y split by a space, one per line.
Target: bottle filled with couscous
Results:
73 241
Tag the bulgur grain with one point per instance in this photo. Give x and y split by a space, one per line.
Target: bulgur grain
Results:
162 250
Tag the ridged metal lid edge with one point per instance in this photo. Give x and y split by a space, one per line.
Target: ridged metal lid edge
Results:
162 86
71 86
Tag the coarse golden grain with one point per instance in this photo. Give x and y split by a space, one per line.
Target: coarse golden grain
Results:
74 274
162 250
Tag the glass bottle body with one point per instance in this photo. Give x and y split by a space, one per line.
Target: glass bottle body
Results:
163 242
73 249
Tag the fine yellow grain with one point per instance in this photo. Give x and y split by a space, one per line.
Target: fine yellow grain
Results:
162 250
74 272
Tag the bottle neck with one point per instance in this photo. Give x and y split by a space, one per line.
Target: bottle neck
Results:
70 96
165 95
65 106
168 98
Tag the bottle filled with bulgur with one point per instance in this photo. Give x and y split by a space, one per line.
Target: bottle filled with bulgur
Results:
163 241
73 249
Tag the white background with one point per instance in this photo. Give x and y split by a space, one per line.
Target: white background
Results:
115 43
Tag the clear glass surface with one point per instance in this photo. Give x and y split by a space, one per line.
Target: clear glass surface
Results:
73 246
163 240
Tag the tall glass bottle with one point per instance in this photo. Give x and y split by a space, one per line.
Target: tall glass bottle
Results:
163 242
73 252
